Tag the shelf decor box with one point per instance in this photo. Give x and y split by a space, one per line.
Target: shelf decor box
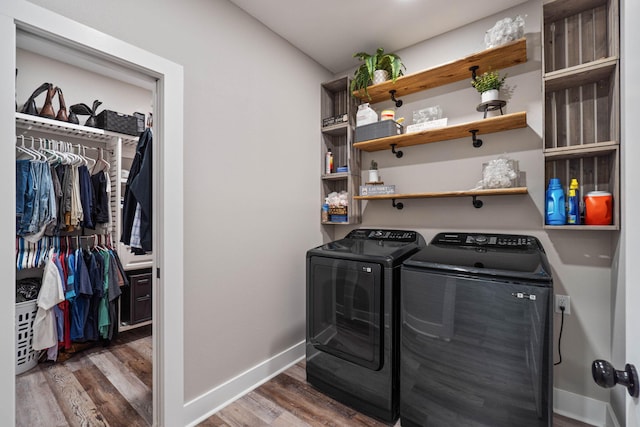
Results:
335 120
118 122
375 190
377 130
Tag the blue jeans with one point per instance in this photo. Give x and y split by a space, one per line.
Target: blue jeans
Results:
25 195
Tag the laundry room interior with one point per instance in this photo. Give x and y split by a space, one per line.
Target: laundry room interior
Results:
260 180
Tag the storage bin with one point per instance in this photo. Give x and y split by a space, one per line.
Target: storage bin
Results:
377 130
337 210
117 122
26 356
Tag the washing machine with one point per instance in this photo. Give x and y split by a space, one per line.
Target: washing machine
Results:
352 338
477 333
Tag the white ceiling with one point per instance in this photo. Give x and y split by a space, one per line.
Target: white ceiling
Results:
331 31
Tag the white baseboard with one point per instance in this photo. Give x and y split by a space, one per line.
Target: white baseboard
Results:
212 401
585 409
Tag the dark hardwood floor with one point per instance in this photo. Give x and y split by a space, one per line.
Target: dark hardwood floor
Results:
287 400
111 386
99 386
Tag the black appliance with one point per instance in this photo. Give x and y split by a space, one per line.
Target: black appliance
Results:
353 305
476 334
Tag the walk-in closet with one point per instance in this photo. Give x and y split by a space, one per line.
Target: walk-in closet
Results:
73 183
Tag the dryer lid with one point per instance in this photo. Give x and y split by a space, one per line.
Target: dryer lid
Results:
387 246
493 255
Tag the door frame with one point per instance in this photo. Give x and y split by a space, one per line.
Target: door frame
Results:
627 341
168 360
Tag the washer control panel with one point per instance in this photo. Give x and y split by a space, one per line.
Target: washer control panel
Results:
514 241
390 235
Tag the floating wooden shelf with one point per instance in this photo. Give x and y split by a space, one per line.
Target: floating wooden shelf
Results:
495 58
440 194
464 193
483 126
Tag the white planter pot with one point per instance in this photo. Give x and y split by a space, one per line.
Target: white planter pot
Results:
490 95
373 175
380 76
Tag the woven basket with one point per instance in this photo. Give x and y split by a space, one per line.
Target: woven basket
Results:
117 122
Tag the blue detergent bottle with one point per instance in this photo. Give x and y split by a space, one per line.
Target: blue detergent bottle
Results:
556 213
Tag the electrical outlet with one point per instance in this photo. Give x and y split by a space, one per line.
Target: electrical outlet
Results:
563 301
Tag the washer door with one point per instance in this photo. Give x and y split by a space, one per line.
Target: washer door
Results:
344 306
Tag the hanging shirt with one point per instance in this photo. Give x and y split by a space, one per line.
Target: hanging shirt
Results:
80 304
87 197
51 293
96 277
104 320
139 191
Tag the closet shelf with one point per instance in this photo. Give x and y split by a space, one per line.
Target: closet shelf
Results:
483 126
27 122
336 130
555 10
579 151
579 75
335 176
504 56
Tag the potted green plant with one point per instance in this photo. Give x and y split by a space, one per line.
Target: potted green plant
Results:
488 84
375 69
373 172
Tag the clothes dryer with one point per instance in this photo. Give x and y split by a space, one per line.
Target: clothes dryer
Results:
352 341
476 334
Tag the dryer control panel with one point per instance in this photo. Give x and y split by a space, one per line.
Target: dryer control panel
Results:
513 241
391 235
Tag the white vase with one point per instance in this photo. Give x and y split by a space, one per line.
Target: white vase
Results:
380 76
373 175
490 95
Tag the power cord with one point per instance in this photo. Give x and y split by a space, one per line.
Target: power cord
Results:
560 335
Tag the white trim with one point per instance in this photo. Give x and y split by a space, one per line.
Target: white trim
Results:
168 325
7 216
215 399
610 417
585 409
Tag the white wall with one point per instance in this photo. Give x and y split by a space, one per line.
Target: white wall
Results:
581 261
251 174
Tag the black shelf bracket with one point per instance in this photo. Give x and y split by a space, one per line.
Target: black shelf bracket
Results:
393 98
477 142
398 153
473 70
477 203
398 205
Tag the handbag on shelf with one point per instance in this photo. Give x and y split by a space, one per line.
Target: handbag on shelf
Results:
29 107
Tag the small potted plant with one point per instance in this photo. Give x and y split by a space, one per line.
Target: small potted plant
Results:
373 172
488 84
375 69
